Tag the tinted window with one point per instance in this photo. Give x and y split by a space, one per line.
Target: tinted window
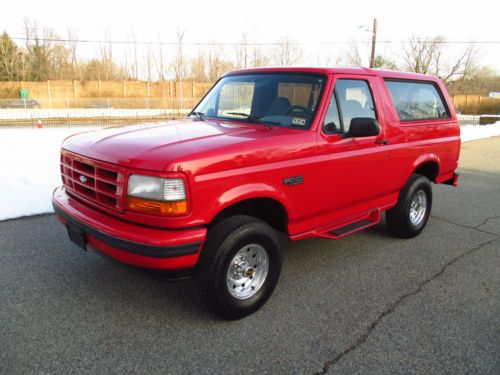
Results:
417 100
355 100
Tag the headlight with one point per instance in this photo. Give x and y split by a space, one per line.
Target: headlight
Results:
156 195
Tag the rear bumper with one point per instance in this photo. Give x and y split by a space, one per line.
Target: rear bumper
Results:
130 243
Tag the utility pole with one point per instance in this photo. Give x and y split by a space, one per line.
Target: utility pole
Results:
374 42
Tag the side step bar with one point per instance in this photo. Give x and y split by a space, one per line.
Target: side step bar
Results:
358 225
343 229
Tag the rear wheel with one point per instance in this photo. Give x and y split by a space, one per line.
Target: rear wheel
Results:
409 217
239 266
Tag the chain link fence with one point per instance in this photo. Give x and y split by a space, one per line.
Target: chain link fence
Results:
92 118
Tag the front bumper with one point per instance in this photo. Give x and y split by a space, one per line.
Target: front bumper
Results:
129 243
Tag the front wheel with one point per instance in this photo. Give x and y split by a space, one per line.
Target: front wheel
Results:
239 266
409 217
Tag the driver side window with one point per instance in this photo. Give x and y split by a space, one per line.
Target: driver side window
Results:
332 124
355 100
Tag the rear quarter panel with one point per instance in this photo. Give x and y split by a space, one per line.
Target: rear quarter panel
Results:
412 143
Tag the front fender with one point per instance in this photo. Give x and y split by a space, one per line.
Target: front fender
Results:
248 191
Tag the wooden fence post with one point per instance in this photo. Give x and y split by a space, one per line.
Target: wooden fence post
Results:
171 93
75 95
49 96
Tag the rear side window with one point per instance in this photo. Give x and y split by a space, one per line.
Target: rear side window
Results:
417 100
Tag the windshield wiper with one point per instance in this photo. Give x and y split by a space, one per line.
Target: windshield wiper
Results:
200 115
251 118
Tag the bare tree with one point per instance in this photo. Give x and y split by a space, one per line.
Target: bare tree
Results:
286 52
259 57
469 64
160 67
427 56
242 52
39 50
149 65
216 63
179 66
198 69
135 61
420 54
353 56
73 43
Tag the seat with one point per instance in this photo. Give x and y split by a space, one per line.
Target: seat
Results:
279 107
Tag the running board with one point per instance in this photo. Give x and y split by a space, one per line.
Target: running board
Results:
344 229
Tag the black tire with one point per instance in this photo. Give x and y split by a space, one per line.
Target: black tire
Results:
398 218
225 239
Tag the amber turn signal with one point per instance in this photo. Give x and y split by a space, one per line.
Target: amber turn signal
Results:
157 207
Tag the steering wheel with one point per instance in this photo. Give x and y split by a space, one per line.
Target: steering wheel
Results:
296 108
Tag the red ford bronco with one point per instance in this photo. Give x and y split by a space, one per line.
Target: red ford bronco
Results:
310 152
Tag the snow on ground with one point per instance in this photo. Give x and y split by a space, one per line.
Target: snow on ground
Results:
29 170
29 166
473 132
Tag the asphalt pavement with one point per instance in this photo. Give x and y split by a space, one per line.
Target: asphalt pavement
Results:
368 303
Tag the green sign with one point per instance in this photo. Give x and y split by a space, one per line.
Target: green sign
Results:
23 93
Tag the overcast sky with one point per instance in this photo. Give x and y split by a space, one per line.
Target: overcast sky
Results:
305 22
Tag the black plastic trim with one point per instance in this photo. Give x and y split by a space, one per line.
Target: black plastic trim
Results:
452 180
130 246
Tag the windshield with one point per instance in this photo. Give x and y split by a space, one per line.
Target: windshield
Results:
288 100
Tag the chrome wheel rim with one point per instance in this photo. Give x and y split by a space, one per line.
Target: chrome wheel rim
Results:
418 207
247 271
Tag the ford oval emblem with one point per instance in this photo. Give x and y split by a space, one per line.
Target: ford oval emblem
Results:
83 178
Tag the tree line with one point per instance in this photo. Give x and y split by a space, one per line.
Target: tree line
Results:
45 56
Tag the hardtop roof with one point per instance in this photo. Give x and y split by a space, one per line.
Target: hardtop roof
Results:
338 70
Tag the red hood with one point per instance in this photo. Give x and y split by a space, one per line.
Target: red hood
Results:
154 146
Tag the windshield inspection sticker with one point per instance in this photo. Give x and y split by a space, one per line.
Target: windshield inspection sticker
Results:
298 121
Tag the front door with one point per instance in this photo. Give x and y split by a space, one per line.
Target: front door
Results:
353 170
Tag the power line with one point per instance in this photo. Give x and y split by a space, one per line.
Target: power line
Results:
128 42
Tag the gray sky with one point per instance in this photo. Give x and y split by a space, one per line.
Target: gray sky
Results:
305 22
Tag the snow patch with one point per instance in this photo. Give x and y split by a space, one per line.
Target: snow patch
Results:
29 170
473 132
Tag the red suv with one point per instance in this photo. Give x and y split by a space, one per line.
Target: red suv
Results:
309 152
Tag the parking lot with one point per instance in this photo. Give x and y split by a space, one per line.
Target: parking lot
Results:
368 303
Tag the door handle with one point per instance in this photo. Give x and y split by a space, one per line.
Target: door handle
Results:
381 142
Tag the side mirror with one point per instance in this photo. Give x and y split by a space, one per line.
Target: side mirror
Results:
330 128
363 127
